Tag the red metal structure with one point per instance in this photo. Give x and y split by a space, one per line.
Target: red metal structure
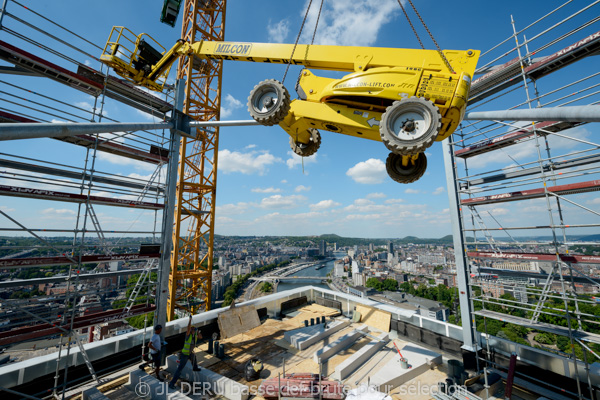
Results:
302 385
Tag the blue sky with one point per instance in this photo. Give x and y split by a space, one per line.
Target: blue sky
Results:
262 189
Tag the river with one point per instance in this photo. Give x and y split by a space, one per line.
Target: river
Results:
312 271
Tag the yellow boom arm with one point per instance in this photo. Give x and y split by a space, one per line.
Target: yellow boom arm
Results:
336 58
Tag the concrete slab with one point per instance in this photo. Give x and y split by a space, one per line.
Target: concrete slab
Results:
392 375
305 337
148 387
286 345
204 381
365 392
93 394
347 367
295 336
343 342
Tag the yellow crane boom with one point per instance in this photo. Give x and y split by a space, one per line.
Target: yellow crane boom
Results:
405 98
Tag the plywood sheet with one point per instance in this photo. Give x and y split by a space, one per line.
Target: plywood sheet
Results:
237 320
375 318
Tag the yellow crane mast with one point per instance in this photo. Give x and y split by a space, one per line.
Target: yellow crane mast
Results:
193 232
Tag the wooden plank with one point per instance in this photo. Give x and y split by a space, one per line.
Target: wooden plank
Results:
237 320
375 318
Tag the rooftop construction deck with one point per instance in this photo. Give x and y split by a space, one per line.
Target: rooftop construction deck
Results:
356 353
353 341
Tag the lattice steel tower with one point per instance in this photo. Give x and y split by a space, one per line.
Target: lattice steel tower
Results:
193 233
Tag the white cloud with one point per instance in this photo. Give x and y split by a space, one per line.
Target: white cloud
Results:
376 196
342 22
232 209
499 211
279 201
278 32
329 216
363 202
229 105
250 146
394 201
368 172
247 163
439 190
115 137
125 161
296 160
266 190
412 191
324 204
59 211
148 117
140 177
302 188
87 106
7 209
594 201
284 181
87 62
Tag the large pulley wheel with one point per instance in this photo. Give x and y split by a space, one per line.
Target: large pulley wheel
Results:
405 173
410 126
307 149
269 102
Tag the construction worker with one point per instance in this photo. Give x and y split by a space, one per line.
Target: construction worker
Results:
187 353
155 345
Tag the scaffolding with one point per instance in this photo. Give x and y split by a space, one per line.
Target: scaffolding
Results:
90 242
524 215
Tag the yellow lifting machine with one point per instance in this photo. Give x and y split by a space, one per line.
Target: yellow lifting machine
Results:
405 98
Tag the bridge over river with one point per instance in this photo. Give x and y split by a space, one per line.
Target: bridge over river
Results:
286 278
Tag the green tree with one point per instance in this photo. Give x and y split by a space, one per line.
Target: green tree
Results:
390 285
375 284
137 321
545 338
266 287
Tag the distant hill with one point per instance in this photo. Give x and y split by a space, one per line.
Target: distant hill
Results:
589 238
344 241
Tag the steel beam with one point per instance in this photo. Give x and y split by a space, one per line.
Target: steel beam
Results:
164 265
201 124
64 278
78 175
557 165
462 274
31 131
590 113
